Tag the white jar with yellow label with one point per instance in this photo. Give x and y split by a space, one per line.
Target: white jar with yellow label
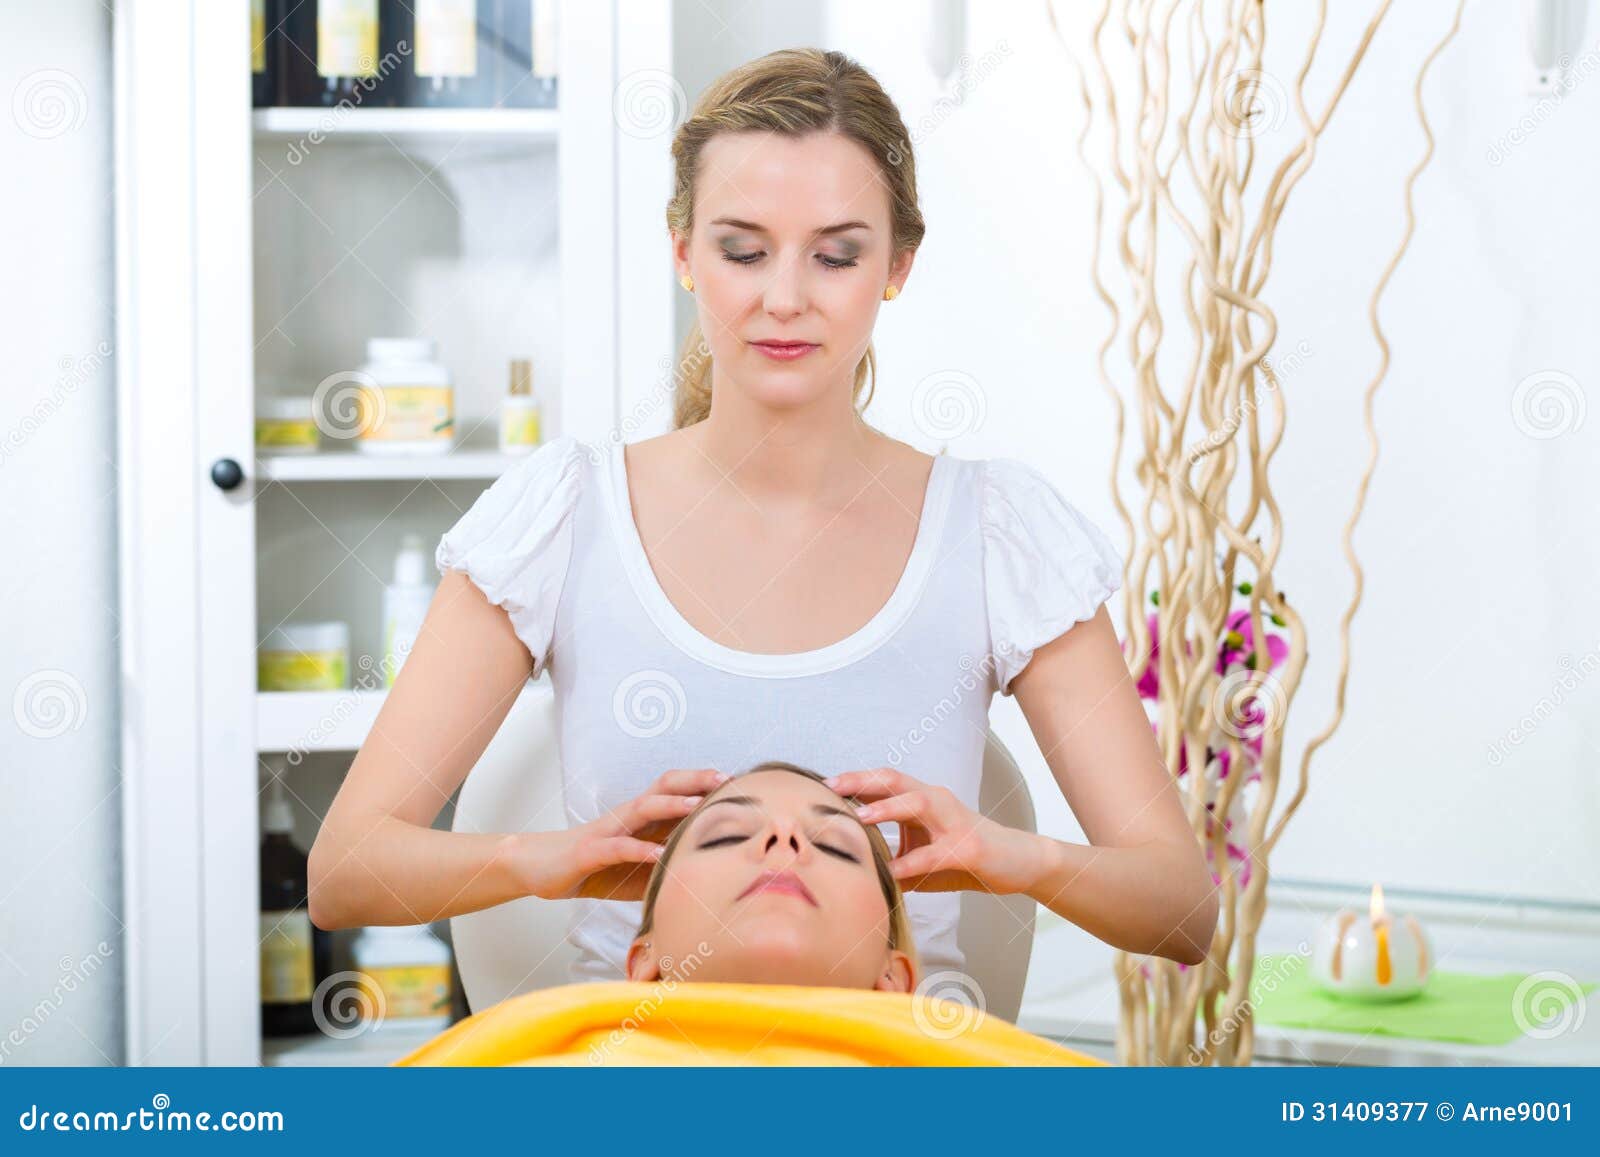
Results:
286 426
304 657
406 404
405 975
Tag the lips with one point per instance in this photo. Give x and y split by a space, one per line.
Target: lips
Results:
785 345
780 882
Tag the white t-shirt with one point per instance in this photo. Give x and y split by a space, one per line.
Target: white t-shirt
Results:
1002 564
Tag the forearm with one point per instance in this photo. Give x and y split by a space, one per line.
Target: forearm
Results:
389 871
1146 899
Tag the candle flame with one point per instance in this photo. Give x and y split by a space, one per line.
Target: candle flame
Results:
1380 926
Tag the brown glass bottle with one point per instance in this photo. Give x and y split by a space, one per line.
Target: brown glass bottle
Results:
295 954
525 72
263 52
340 53
452 62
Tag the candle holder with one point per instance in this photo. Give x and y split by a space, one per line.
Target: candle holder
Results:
1384 957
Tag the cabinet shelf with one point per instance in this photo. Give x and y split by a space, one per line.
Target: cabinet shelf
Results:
315 720
382 1046
354 466
521 124
326 720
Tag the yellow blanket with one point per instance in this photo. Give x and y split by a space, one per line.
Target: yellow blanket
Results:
709 1023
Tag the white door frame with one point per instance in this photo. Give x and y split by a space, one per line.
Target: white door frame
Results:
186 549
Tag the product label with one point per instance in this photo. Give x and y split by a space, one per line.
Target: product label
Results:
301 670
258 35
520 428
406 414
409 990
278 432
347 37
447 38
286 971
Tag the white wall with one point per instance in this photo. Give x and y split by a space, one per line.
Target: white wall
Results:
60 886
1478 542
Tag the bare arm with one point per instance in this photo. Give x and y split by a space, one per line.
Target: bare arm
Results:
376 859
1142 884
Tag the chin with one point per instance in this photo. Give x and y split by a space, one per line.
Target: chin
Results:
776 956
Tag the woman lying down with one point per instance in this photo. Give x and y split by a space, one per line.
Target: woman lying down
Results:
773 933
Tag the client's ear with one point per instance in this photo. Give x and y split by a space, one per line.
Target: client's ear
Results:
642 963
898 975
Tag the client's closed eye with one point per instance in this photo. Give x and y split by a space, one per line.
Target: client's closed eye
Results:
734 839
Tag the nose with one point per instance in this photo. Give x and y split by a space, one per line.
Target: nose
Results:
783 836
784 297
774 840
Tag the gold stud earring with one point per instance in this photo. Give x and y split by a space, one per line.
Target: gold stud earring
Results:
687 281
890 293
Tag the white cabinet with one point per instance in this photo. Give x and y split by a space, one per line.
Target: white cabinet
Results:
257 250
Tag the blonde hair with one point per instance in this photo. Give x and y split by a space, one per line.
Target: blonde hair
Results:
794 92
899 920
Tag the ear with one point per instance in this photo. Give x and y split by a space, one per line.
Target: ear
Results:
900 270
898 974
680 253
642 964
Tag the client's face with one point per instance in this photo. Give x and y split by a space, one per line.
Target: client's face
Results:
772 882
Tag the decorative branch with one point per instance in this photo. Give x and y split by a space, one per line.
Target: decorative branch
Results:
1219 681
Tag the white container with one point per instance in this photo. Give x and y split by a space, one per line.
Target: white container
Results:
287 425
405 604
406 402
304 657
405 972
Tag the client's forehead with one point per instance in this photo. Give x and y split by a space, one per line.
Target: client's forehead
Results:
775 787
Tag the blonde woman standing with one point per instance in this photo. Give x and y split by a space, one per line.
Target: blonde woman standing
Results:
773 579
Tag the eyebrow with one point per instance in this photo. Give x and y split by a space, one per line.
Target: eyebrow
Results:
842 227
750 801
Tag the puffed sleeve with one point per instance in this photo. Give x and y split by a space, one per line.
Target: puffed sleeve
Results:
515 541
1045 565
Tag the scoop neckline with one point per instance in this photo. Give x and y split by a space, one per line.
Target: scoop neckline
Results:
853 647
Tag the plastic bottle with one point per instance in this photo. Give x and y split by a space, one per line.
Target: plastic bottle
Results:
295 955
409 405
405 970
405 604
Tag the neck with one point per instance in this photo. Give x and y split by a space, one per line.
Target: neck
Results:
816 452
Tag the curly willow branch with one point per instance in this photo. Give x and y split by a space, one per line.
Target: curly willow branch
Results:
1183 532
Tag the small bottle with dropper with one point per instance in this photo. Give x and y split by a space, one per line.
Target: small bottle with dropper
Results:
519 412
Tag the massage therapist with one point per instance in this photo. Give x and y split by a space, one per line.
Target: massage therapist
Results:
773 579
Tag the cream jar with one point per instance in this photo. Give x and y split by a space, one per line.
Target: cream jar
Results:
305 657
286 426
405 977
406 404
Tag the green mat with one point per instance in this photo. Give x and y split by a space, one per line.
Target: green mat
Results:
1455 1006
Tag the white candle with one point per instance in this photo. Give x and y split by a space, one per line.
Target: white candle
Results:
1384 957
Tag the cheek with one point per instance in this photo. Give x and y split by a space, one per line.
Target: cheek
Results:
860 905
687 892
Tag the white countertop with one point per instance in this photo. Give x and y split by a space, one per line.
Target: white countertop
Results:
1071 993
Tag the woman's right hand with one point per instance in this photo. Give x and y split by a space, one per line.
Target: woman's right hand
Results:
610 858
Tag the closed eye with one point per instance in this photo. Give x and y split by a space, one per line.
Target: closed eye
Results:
734 839
828 262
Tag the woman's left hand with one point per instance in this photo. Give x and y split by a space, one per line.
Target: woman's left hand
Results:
945 846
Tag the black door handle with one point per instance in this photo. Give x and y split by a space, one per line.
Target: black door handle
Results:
226 473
